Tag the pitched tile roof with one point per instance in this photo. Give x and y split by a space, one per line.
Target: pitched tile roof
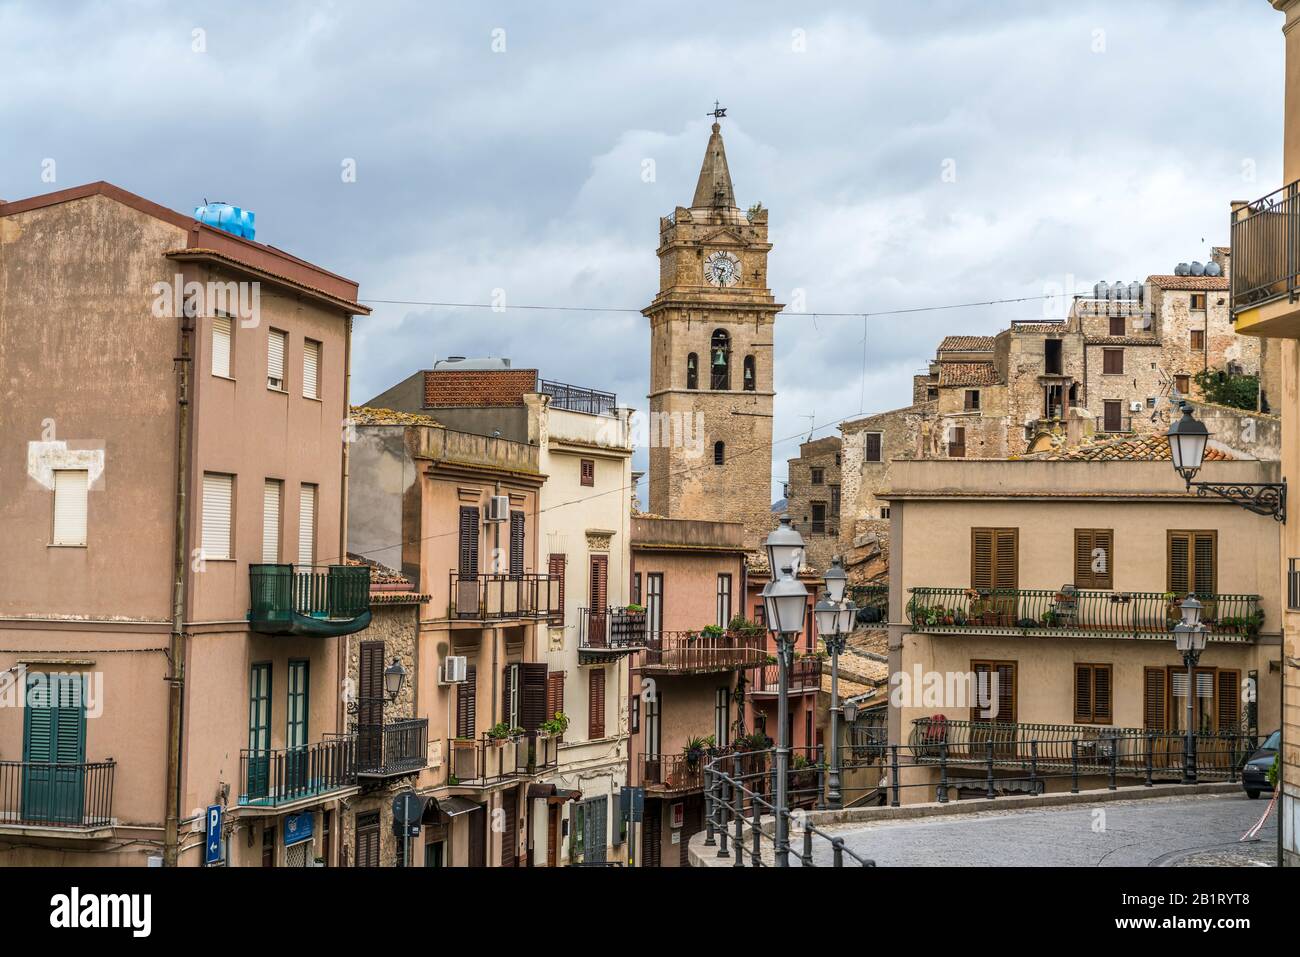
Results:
967 373
1148 448
1215 283
966 344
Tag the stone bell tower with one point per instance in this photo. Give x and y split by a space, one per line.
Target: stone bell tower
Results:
711 358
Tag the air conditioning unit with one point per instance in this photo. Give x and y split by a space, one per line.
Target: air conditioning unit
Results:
499 508
1135 406
453 670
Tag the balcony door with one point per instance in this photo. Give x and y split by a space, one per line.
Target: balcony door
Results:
1112 415
653 736
259 730
654 606
467 563
295 729
598 599
370 704
54 749
995 689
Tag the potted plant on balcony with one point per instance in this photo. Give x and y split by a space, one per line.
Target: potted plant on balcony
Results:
556 725
803 775
635 609
501 732
1253 622
695 749
712 631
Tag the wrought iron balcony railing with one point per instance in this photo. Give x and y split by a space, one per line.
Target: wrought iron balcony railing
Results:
309 599
495 597
52 794
687 652
805 675
610 632
872 602
1114 425
574 398
1266 250
276 776
1085 614
392 749
478 762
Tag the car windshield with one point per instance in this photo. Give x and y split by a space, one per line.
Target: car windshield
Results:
1273 741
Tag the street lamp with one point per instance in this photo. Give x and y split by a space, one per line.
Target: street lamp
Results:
836 581
1189 638
834 622
1188 439
394 678
785 600
784 547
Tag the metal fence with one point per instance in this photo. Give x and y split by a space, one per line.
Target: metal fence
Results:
52 794
487 760
574 398
494 597
704 650
317 591
275 776
1266 249
399 747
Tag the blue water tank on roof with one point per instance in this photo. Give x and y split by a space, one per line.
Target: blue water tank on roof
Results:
232 219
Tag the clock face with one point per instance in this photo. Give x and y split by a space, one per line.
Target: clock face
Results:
722 269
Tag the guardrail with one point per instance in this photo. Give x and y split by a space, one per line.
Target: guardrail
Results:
274 776
703 651
491 597
1266 249
477 762
52 794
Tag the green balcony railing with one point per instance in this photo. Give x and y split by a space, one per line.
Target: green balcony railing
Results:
1082 614
309 599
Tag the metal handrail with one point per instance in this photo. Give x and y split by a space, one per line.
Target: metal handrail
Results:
703 650
603 629
493 596
1266 249
316 591
573 398
56 794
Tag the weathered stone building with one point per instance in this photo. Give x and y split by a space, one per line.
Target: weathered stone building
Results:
813 496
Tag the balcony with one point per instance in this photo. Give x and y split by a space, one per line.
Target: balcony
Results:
606 634
572 398
703 652
71 797
392 750
1266 265
805 676
281 776
481 762
503 597
872 602
314 600
1041 613
673 773
1113 424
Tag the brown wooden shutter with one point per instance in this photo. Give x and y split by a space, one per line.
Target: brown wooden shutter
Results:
588 472
555 568
1083 694
1153 699
981 561
367 854
468 540
650 833
532 696
596 704
510 839
1228 701
370 683
1179 563
1101 694
873 447
507 686
1087 541
1203 562
466 703
517 544
1007 565
554 693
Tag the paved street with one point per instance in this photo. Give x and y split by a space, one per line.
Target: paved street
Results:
1193 831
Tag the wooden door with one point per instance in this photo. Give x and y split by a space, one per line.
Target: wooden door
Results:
478 837
651 828
510 837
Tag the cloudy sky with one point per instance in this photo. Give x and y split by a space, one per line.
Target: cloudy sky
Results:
911 154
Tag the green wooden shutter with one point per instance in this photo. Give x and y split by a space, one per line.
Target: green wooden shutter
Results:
54 745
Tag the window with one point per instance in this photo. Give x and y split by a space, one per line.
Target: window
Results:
636 588
295 734
1117 325
719 453
368 839
1198 302
653 715
837 459
272 496
995 558
724 600
720 360
468 542
722 717
749 374
957 442
999 680
307 525
1292 585
276 347
467 704
1183 384
1093 557
555 566
54 733
517 521
1092 691
596 704
1112 361
654 604
871 448
218 496
972 400
259 729
221 327
310 369
692 371
1192 563
1198 340
1052 356
554 694
70 505
835 501
818 518
587 472
884 511
1216 705
818 476
760 613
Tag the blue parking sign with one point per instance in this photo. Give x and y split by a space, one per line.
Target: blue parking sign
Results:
212 831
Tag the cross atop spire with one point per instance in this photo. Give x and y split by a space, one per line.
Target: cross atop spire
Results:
718 112
714 185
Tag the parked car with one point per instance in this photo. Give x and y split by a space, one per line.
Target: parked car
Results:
1254 775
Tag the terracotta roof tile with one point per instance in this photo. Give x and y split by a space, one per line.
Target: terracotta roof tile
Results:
966 344
967 373
1214 283
1149 448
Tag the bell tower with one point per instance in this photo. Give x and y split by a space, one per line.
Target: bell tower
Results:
711 379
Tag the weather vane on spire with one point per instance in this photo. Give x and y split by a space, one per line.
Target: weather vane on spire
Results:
718 112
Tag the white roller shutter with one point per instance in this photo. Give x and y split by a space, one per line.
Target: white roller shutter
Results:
271 497
275 348
221 346
70 487
218 493
310 369
307 526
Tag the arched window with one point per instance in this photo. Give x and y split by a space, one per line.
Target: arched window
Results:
749 373
719 453
692 371
720 360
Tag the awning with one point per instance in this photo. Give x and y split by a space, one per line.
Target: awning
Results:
552 794
457 805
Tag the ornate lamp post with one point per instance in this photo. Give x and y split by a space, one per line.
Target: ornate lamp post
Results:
785 602
1187 441
834 623
1189 638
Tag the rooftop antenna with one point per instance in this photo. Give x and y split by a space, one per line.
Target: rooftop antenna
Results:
812 424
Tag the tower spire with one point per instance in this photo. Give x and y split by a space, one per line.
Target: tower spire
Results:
714 186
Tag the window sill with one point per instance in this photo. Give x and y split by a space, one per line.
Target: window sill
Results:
226 378
66 545
313 398
271 388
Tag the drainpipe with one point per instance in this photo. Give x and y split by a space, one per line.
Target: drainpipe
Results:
343 647
180 580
